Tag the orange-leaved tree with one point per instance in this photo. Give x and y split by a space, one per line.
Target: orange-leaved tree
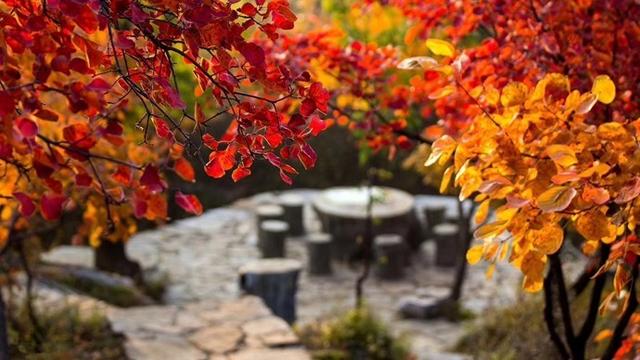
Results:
543 158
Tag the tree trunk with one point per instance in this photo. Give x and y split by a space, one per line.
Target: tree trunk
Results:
461 266
4 334
111 257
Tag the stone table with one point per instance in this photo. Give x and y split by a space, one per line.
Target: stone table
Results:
343 213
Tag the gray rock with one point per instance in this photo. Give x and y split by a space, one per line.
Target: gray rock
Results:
70 255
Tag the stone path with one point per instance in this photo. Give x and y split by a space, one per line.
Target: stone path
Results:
236 330
201 256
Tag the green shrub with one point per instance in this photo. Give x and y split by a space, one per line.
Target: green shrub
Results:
355 335
65 334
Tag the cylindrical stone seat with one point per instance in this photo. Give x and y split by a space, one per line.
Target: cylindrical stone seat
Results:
434 215
267 212
447 244
319 250
272 238
293 206
275 281
390 252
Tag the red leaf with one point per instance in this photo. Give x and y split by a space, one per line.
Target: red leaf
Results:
27 207
213 169
162 129
27 128
317 125
253 53
99 85
83 179
151 179
189 203
210 141
79 135
7 104
307 156
139 207
122 175
184 169
51 206
240 173
248 9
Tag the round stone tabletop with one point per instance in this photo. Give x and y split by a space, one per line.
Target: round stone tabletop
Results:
351 202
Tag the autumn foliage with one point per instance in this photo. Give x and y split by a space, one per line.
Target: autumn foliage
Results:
69 68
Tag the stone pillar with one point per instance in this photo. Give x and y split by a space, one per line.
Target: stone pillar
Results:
447 244
293 206
275 281
319 251
390 256
272 238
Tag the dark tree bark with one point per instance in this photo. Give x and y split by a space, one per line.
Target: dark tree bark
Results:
465 238
4 334
111 257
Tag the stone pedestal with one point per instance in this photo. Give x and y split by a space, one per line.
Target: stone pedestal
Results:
447 244
319 249
293 206
434 215
390 251
272 238
275 281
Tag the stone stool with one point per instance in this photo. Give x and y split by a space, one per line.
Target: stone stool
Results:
447 244
390 256
319 250
293 206
272 238
267 212
434 215
275 281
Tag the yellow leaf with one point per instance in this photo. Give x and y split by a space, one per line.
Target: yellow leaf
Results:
604 89
441 150
482 212
490 231
532 283
446 179
442 92
595 226
557 198
547 239
441 47
474 254
562 155
603 335
490 270
514 94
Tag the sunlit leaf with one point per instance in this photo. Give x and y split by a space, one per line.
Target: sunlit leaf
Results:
441 47
556 198
604 89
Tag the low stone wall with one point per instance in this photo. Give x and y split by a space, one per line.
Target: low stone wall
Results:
243 329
